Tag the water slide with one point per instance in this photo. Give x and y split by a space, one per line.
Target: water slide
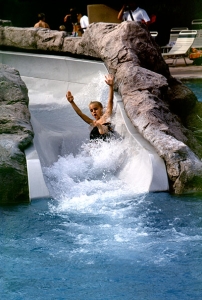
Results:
59 131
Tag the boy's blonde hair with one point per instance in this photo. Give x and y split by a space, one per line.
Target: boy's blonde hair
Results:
96 102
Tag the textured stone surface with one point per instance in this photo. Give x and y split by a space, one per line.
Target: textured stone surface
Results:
15 135
157 104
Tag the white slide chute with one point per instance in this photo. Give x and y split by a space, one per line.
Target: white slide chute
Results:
59 131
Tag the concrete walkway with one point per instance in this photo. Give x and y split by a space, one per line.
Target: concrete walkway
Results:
181 70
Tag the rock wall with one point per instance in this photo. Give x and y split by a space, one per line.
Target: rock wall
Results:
156 103
15 135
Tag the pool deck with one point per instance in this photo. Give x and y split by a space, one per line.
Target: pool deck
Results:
181 70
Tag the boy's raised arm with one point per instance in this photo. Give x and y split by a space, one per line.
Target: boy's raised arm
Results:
70 98
109 79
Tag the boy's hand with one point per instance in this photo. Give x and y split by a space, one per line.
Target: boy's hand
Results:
109 79
69 97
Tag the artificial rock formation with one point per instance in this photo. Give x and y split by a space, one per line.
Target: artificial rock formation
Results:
157 104
15 135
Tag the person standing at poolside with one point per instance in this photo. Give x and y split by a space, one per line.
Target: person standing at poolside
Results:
131 12
70 20
83 20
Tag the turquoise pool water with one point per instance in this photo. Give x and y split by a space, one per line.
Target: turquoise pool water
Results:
97 238
139 247
195 85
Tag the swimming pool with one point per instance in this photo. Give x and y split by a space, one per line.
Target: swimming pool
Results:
118 247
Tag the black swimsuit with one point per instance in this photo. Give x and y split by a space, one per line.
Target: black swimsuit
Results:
94 134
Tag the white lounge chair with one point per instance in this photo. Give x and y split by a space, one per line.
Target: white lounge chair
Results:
196 24
198 40
174 33
182 45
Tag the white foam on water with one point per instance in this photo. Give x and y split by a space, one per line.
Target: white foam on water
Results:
102 214
86 188
91 176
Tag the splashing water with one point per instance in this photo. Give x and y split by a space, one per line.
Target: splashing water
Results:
95 90
90 176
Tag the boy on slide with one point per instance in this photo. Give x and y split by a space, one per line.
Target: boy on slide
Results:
101 123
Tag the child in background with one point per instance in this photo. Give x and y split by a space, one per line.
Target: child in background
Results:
41 22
